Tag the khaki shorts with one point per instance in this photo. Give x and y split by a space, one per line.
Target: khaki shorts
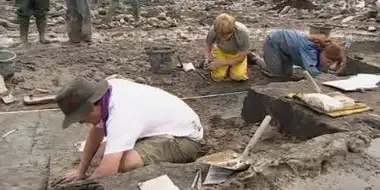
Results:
167 148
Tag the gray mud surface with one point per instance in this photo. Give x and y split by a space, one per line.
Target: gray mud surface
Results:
40 151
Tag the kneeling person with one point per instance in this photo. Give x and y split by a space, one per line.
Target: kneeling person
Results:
144 125
227 45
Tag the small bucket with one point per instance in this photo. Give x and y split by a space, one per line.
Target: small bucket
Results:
161 59
7 59
320 29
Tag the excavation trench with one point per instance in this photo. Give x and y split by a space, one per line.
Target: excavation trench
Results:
363 57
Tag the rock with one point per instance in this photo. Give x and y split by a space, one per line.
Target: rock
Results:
372 29
285 10
324 15
336 17
140 80
348 19
7 24
130 68
102 12
162 16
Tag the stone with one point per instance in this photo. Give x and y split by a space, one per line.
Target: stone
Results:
140 80
285 10
102 12
348 19
298 120
162 16
372 29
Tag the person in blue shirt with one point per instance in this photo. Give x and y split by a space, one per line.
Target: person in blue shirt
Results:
285 48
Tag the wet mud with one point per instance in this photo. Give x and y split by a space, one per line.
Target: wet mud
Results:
299 147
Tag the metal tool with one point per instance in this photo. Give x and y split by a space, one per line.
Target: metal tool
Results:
197 182
230 159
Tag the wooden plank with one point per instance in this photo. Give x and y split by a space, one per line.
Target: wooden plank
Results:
3 88
32 100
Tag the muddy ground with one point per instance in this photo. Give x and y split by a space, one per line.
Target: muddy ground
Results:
283 162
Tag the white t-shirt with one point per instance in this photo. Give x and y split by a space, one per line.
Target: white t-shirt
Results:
137 111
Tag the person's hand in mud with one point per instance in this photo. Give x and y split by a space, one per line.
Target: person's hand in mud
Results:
71 176
216 64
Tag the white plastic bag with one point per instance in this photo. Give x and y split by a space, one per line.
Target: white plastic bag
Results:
322 101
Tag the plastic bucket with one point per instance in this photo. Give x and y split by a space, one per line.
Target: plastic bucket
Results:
320 29
161 58
7 59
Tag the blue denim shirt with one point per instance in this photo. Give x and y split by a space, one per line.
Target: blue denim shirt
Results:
295 45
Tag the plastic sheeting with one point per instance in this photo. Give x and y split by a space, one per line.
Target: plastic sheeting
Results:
356 83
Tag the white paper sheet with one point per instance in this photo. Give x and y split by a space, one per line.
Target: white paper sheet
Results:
159 183
357 82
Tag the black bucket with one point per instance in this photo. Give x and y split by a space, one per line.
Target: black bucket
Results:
320 29
161 58
7 59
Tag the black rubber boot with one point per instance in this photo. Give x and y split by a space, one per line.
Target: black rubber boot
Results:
41 27
24 30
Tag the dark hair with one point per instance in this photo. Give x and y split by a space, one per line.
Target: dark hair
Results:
97 102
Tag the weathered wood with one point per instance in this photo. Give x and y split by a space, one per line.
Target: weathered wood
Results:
3 88
32 100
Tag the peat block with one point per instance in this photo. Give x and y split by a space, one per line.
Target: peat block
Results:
300 121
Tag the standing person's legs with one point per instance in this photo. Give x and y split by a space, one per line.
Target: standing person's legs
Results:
136 9
24 12
41 8
111 11
220 73
85 19
73 22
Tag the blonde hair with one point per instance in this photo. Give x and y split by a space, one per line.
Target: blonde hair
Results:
224 24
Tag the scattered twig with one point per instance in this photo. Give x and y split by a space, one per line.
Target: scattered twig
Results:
213 95
10 132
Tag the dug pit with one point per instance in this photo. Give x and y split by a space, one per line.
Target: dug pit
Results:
298 121
363 57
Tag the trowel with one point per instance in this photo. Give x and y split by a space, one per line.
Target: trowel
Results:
231 160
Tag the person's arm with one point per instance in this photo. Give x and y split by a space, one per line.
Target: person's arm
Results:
123 132
93 141
109 165
310 61
210 40
238 59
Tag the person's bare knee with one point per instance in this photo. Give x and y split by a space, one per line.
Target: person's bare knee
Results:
130 161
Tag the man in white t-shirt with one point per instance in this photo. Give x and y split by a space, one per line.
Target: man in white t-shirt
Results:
142 124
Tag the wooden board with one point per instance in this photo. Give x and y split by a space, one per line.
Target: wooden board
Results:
3 88
33 100
347 110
